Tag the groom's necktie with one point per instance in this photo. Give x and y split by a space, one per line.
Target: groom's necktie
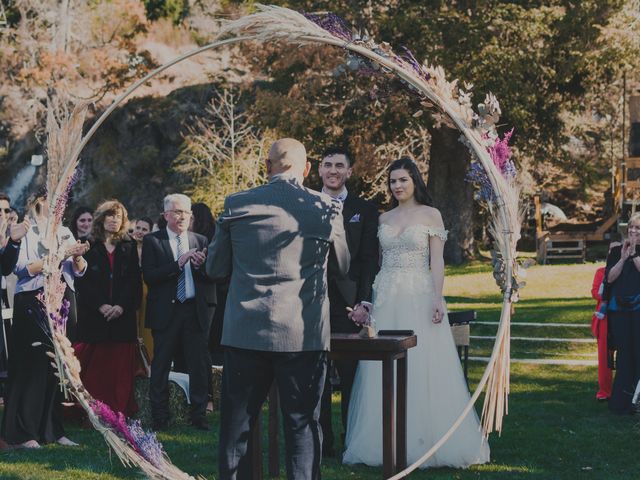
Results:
181 294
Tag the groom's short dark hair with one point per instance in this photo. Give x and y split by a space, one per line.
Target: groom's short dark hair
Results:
334 150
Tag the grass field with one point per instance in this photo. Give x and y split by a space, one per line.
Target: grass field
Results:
555 428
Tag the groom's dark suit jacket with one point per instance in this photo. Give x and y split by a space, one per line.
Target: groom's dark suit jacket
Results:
361 226
161 272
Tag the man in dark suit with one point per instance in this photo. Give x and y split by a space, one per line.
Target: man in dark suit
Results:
275 241
361 226
180 305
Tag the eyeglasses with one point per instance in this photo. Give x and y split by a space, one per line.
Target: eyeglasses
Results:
181 213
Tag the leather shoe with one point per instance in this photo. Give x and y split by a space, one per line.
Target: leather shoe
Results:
201 424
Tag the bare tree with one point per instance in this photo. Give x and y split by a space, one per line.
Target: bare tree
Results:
414 143
222 152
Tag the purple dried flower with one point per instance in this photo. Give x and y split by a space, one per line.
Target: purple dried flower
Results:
478 176
147 443
411 60
509 170
60 318
500 154
64 313
114 420
500 151
61 201
332 23
408 59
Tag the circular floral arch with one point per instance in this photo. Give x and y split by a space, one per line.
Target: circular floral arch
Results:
491 169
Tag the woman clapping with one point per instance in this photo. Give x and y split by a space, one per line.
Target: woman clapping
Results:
623 312
32 412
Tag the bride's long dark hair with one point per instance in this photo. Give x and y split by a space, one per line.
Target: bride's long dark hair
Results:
420 193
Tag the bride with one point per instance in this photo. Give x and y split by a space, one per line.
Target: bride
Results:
407 294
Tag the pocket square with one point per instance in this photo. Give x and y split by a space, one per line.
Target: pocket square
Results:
355 218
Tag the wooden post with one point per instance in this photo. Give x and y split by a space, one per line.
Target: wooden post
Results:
623 165
401 414
634 126
388 420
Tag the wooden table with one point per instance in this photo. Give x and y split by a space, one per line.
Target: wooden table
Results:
387 349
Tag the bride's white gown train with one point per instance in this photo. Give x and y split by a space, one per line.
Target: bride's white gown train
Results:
437 392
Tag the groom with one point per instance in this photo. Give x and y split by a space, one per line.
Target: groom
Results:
275 241
361 226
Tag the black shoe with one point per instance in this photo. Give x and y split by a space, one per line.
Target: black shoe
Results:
200 424
160 425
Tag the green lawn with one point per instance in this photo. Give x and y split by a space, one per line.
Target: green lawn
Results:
555 429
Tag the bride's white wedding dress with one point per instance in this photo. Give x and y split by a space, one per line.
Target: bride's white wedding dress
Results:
437 393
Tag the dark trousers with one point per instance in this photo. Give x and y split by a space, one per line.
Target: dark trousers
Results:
340 323
625 330
32 410
183 329
246 379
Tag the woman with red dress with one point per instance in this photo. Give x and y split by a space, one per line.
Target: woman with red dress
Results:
599 330
108 297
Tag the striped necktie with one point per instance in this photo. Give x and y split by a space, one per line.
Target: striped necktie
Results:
181 294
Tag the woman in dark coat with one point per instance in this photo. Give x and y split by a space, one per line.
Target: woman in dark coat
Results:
8 259
623 312
108 297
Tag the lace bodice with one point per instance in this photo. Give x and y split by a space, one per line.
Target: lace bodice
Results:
409 249
405 260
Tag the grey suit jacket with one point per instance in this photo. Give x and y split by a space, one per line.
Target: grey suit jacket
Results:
275 241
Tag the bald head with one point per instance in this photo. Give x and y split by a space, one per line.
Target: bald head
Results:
288 155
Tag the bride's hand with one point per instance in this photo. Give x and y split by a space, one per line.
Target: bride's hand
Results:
438 310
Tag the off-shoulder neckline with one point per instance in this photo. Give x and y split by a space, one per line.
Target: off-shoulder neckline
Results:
429 228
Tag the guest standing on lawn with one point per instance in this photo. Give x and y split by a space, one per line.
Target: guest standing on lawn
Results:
108 297
32 413
180 306
9 250
7 221
143 226
599 330
623 311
